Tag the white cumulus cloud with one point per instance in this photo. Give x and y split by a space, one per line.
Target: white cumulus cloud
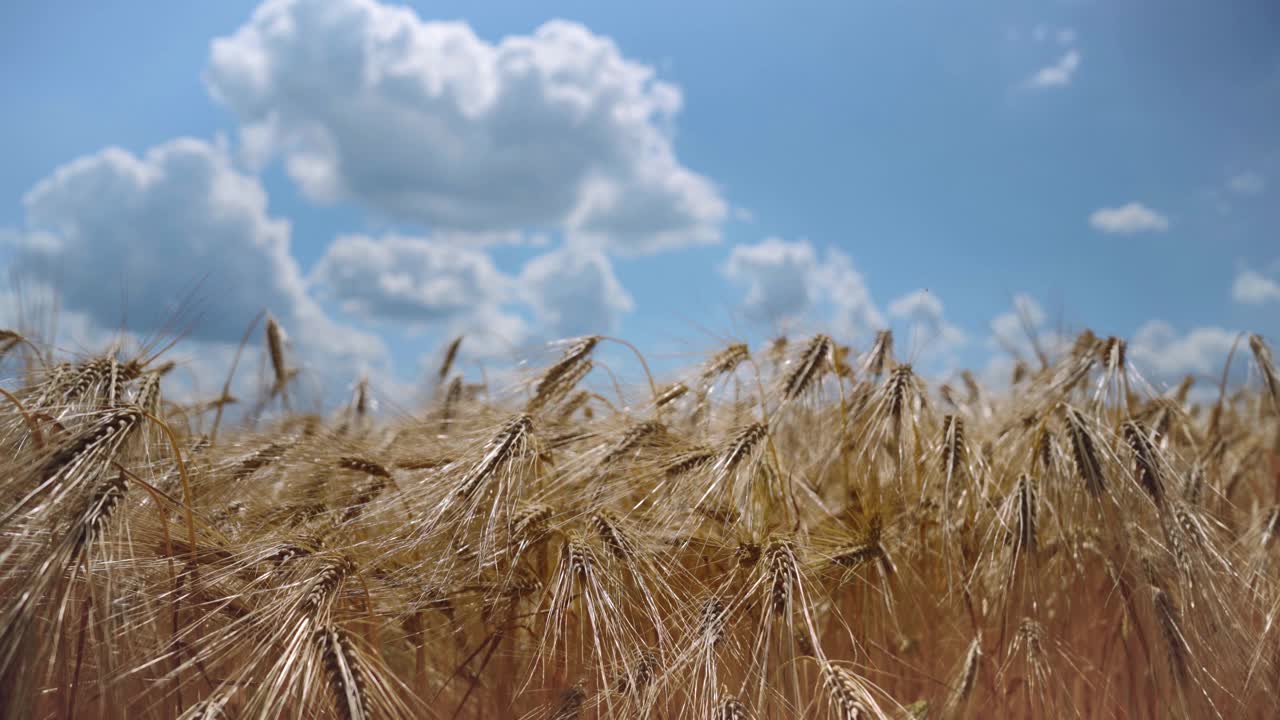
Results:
422 283
1253 288
924 310
779 277
1012 326
427 122
1128 219
573 291
1021 334
1158 350
785 283
415 281
175 240
916 304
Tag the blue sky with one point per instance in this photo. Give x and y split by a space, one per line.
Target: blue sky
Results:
673 174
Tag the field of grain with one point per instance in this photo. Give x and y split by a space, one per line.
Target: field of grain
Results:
799 529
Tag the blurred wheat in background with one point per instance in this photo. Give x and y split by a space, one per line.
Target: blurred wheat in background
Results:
794 530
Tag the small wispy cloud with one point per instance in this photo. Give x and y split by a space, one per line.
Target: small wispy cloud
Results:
1063 36
1057 74
1128 219
1061 71
1247 183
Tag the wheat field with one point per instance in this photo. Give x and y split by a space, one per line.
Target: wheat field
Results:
800 529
